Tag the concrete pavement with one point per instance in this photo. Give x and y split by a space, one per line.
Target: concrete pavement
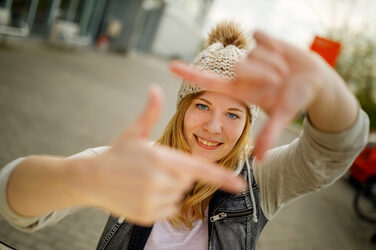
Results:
62 102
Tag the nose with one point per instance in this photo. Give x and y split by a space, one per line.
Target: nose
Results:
213 125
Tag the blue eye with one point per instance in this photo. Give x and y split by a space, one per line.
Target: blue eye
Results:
202 106
232 116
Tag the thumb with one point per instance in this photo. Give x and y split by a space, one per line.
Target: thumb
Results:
144 123
270 133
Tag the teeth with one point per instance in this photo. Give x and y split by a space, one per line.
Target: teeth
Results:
210 144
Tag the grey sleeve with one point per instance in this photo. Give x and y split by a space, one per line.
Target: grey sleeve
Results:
314 160
31 224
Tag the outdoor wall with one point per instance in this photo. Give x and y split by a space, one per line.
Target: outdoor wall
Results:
178 35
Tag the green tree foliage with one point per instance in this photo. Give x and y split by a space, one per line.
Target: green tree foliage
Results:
357 66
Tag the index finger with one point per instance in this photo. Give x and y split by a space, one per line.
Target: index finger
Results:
268 41
201 170
149 117
278 120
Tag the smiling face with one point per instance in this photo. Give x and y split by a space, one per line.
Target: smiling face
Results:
213 123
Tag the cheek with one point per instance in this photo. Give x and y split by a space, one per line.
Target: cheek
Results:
234 131
190 122
193 120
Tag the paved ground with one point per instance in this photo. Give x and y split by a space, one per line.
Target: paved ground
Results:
61 102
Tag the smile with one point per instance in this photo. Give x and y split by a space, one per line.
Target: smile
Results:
207 144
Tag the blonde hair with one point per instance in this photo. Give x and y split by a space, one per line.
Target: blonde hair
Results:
173 136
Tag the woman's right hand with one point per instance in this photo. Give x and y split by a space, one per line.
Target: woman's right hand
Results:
143 182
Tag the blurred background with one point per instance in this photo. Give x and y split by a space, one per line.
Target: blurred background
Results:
75 73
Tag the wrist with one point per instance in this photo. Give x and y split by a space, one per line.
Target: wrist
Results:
329 98
77 180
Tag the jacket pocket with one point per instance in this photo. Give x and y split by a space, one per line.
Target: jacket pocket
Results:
223 215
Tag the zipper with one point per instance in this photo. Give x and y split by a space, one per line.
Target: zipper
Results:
120 220
218 217
229 215
212 225
223 215
111 234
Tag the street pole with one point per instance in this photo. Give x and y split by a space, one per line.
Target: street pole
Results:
53 11
85 17
31 14
72 9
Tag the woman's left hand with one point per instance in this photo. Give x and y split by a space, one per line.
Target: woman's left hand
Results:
280 78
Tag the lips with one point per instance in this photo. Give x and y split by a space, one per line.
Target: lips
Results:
207 144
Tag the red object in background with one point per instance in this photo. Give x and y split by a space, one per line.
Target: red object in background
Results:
328 49
102 42
364 166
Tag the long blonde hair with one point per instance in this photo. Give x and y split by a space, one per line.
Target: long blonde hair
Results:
173 137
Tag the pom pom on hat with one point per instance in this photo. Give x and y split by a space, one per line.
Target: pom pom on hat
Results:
228 33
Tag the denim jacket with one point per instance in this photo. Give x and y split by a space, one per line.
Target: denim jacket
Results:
230 224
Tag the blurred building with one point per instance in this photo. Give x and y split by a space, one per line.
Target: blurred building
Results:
180 31
171 28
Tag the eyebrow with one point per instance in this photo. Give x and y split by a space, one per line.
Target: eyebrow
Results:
235 109
230 109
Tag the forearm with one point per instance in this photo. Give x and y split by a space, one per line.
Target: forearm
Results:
313 161
335 107
41 184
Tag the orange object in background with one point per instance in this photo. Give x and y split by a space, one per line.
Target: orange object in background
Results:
328 49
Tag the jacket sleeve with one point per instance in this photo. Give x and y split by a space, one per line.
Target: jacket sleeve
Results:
31 224
314 160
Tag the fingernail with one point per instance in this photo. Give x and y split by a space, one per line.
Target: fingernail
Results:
276 79
177 63
259 158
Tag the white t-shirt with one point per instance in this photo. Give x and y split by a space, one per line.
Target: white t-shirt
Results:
165 236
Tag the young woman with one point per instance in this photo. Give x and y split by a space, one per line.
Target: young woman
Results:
143 185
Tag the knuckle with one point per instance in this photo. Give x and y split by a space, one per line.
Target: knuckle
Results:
280 61
275 55
156 180
152 156
150 204
239 67
145 211
147 185
154 183
151 181
148 155
142 213
187 185
270 78
144 201
254 52
184 180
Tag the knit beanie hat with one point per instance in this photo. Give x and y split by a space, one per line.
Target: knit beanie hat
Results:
226 45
